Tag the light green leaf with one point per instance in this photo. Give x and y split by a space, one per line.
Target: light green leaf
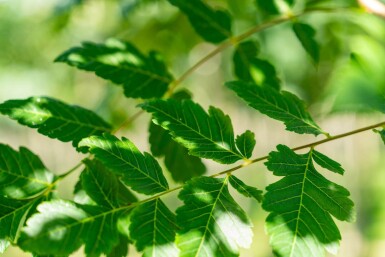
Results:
61 227
120 62
205 135
211 222
327 163
213 25
139 171
3 245
301 206
12 217
153 229
22 174
282 106
305 34
244 189
104 187
55 119
246 143
181 165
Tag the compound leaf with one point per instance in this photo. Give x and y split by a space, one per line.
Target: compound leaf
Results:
104 187
181 165
22 174
204 135
61 227
301 206
120 62
55 119
139 171
213 25
153 229
244 189
305 34
211 222
282 106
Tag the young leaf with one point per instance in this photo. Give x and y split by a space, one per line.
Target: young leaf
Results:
282 106
55 119
327 163
246 143
244 189
22 174
139 171
204 135
305 34
211 222
12 217
103 186
120 62
301 206
61 227
213 25
153 229
181 165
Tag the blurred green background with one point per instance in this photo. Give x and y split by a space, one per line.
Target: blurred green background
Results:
349 78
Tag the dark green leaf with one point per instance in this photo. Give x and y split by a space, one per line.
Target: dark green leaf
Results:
282 106
103 186
301 206
213 25
382 134
243 55
305 33
204 135
22 174
153 229
139 171
246 143
211 222
120 62
267 6
61 227
244 189
121 249
264 73
55 119
181 165
327 163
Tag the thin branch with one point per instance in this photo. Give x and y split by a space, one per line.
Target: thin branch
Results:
128 121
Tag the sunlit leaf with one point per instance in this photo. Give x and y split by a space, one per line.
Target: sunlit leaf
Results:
55 119
104 187
301 206
213 25
305 33
283 106
211 222
22 174
244 189
139 171
61 227
120 62
204 135
153 229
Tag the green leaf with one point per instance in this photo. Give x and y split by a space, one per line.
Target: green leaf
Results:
121 249
12 217
22 174
267 7
244 189
55 119
327 163
104 187
205 135
246 143
382 134
282 106
153 229
61 227
305 34
212 25
181 165
139 171
120 62
3 245
211 222
301 206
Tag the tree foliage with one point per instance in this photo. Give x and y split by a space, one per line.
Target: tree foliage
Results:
123 187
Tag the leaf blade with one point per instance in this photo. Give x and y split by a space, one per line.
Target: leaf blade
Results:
305 34
244 189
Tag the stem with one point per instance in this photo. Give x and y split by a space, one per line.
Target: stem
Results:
128 121
69 171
